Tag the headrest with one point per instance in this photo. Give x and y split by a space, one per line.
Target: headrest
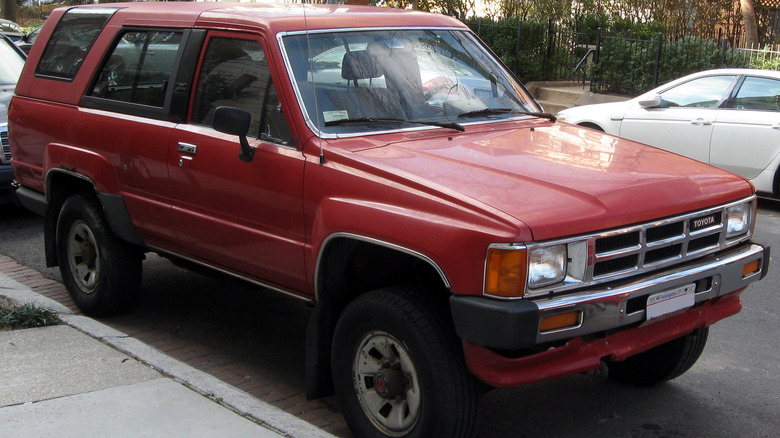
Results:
359 64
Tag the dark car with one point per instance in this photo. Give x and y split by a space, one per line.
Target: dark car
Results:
27 41
11 63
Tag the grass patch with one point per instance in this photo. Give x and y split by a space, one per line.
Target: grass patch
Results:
25 316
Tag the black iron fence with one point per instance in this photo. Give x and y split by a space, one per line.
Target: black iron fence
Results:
631 66
622 65
534 50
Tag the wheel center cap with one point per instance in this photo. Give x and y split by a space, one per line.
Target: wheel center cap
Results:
89 254
389 383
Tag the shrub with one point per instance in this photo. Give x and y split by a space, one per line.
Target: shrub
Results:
26 316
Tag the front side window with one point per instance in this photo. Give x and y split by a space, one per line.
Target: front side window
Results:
235 73
69 43
378 80
761 94
139 67
699 93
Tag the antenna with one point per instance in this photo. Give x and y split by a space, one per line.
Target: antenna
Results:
313 83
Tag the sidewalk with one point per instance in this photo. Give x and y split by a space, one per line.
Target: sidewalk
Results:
84 378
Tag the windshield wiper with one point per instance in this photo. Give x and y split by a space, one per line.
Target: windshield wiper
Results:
449 125
494 111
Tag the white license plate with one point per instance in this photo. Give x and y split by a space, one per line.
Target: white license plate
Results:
664 303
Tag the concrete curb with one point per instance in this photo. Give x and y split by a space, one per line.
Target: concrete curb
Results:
228 396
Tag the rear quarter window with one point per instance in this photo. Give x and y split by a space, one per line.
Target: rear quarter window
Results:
71 40
139 67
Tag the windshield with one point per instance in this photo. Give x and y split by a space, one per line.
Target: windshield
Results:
379 80
11 63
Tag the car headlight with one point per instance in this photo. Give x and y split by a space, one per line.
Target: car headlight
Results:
546 265
512 271
739 219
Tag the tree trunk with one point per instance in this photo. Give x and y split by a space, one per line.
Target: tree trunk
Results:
751 25
9 9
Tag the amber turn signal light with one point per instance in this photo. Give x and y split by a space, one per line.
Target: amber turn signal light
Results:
751 268
560 321
505 272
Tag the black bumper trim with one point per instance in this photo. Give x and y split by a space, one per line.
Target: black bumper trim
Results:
506 325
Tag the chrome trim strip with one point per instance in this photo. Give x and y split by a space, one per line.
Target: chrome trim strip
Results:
378 242
232 274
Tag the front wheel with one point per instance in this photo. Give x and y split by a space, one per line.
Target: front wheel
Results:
398 368
662 363
101 272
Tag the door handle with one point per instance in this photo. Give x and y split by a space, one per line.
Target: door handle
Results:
701 122
776 125
187 148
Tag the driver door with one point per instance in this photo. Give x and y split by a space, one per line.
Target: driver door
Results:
244 217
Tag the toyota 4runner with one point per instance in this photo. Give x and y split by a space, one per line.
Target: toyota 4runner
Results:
385 167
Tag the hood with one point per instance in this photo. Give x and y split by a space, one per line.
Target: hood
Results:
558 179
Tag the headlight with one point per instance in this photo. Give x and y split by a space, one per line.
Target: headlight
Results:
546 265
739 219
514 271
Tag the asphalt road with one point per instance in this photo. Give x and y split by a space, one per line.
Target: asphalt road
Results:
732 391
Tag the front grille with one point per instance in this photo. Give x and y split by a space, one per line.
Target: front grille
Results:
618 241
621 253
658 243
5 157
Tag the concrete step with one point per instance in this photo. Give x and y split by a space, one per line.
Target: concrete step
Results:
553 107
565 95
558 95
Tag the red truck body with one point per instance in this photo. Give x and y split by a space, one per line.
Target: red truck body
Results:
333 218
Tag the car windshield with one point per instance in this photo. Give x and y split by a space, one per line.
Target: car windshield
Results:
380 80
11 63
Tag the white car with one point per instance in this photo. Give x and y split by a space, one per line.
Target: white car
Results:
729 118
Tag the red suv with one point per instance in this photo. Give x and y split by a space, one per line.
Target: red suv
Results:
385 167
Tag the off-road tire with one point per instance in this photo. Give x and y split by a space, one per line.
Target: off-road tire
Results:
101 272
438 396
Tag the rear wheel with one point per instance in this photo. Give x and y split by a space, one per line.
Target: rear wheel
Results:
661 363
101 272
398 368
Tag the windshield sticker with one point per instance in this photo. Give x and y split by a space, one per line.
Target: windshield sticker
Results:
331 116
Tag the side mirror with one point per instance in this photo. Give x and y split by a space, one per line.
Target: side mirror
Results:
235 121
652 102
